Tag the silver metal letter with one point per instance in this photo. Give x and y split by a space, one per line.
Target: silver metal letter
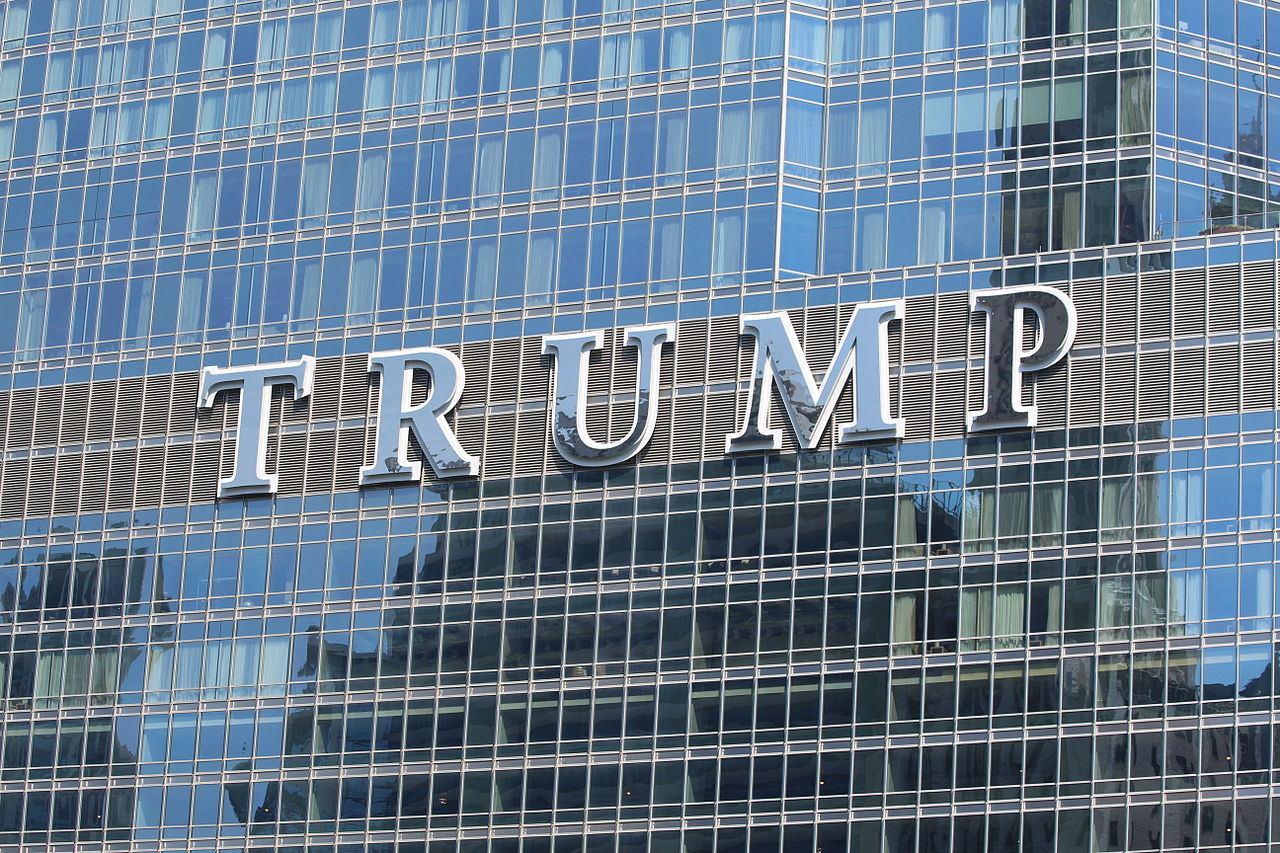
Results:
1007 361
569 413
397 417
863 352
249 472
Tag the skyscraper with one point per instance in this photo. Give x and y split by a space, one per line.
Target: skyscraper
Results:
446 426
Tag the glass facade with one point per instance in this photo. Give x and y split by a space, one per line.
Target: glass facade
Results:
1053 639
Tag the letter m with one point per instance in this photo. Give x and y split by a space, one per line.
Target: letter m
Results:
863 353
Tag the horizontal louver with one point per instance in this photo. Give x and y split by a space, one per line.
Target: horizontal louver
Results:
1121 370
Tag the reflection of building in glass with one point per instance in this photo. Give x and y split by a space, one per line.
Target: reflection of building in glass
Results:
886 620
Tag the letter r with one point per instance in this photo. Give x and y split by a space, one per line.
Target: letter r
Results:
397 417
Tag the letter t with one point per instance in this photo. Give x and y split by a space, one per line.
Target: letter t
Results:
249 472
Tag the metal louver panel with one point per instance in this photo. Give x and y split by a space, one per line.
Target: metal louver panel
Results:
1050 394
128 409
531 439
1260 382
204 483
13 497
182 409
921 344
40 482
691 353
321 462
1188 382
1120 376
178 460
686 426
1085 409
600 364
1224 372
356 388
1155 308
328 374
819 336
101 418
498 442
75 414
157 392
951 338
948 391
470 431
659 448
351 444
93 482
124 478
1120 318
976 343
1258 297
534 370
1088 299
1223 301
291 446
475 359
48 415
66 490
720 421
503 384
150 479
917 407
1189 303
1154 378
22 418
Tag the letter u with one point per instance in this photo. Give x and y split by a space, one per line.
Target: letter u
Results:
569 392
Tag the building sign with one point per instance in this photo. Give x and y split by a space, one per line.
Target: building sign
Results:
861 357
